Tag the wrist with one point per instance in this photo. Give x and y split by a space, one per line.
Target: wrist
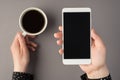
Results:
20 69
98 73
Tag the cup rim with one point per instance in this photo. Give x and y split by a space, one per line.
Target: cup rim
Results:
40 11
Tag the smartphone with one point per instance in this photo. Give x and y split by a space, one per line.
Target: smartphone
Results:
76 24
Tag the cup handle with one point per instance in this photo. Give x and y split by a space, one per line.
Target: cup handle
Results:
24 34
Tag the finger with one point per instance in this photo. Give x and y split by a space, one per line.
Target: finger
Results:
96 38
58 35
32 44
61 51
21 40
15 43
31 36
31 48
27 38
60 28
59 42
94 35
92 42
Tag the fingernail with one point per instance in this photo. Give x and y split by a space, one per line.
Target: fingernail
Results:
59 27
36 45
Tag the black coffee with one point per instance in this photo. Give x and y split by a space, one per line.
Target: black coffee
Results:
33 21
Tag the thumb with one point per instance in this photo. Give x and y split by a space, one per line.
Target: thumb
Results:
94 34
96 38
21 40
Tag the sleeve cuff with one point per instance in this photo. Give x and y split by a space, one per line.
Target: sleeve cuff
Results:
22 76
84 77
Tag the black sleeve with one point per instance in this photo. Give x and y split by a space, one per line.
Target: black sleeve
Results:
84 77
22 76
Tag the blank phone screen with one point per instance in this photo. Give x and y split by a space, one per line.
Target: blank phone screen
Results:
76 35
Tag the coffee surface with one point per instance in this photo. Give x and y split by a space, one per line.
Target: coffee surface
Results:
33 21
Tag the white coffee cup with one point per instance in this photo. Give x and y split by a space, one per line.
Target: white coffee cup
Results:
25 32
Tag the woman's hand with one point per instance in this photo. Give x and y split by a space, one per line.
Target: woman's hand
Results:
97 68
20 52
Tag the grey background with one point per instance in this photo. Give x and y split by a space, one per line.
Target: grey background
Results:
46 64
